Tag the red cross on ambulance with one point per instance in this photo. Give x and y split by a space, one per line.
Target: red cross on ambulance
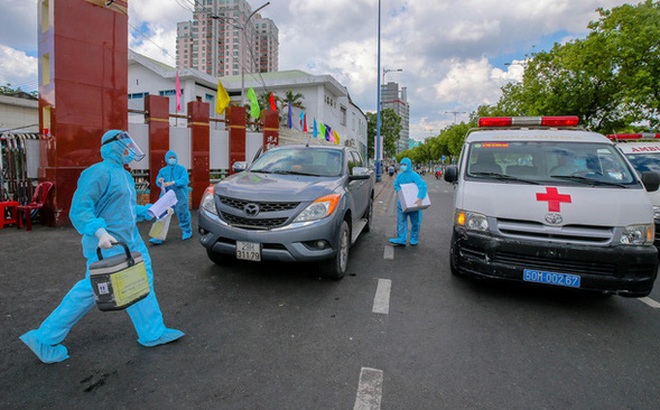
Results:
554 198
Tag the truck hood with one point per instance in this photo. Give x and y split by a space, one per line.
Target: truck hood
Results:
582 205
275 187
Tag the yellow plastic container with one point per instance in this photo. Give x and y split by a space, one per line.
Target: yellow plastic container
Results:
118 281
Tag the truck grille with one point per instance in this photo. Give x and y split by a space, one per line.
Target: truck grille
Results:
252 223
263 206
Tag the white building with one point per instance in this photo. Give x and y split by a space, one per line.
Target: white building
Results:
324 98
19 112
392 97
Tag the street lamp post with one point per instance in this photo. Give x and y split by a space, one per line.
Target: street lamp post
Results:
243 52
378 141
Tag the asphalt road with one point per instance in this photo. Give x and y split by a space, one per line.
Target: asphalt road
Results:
397 332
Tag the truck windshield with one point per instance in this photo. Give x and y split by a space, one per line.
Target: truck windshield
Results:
300 161
549 163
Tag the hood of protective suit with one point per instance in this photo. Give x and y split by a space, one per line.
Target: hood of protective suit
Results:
169 155
408 162
113 151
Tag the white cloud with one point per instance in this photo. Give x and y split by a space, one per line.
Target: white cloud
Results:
17 69
452 51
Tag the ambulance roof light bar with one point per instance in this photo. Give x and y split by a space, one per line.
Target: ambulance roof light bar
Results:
546 121
637 136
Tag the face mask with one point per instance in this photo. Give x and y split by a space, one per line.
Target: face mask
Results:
404 168
128 156
171 161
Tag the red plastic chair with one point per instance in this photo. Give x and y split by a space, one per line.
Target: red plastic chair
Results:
9 213
38 200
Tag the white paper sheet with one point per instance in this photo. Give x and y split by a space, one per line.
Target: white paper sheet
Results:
160 207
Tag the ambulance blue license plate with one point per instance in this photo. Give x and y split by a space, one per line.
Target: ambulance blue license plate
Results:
551 278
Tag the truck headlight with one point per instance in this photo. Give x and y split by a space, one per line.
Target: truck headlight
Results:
320 208
638 234
208 204
472 221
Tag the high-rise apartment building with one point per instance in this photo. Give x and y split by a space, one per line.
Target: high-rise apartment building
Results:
391 97
217 40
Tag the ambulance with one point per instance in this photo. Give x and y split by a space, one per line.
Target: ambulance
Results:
541 201
643 152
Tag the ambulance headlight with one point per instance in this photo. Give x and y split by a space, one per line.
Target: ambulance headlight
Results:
472 221
638 234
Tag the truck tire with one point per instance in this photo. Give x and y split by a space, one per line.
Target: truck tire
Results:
335 268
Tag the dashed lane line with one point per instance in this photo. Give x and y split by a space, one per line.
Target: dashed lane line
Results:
370 389
389 252
382 298
650 302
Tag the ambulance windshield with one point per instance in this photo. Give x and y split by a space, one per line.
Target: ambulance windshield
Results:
561 163
644 162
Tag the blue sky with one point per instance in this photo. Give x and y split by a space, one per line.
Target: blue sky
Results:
453 53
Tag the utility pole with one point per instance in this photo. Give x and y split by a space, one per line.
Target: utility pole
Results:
455 113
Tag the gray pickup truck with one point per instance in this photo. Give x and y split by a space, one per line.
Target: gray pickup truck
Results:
295 203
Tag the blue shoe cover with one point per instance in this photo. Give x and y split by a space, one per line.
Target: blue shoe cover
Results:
155 241
397 242
45 353
168 336
414 241
186 236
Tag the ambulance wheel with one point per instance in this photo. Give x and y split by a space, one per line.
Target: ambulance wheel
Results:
335 268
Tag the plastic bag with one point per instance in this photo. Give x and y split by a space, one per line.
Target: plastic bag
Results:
160 227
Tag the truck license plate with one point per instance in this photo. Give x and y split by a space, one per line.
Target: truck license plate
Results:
551 278
248 251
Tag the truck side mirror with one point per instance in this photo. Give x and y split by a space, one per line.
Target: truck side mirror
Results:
239 166
651 181
451 173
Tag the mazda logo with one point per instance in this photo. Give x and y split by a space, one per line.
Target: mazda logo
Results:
554 219
251 209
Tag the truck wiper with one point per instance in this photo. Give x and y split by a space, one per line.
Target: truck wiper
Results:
261 171
587 181
502 177
285 172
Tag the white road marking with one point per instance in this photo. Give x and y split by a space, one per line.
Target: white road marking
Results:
370 389
650 302
389 252
382 298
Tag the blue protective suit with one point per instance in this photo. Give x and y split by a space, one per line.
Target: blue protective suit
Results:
105 198
406 177
179 175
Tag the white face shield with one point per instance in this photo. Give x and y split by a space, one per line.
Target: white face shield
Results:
127 142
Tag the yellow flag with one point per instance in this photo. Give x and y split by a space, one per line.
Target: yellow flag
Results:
222 99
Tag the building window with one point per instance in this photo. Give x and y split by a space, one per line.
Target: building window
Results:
342 117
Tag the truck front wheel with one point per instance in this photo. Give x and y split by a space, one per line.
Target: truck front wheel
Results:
335 268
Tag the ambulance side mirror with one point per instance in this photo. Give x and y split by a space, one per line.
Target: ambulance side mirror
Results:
651 181
451 173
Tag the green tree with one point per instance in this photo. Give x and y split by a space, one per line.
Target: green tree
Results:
295 100
610 79
390 130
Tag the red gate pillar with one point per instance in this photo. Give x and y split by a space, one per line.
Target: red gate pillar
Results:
198 122
157 108
271 130
83 89
236 135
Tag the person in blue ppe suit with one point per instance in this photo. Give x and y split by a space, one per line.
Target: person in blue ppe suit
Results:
104 210
407 176
175 177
